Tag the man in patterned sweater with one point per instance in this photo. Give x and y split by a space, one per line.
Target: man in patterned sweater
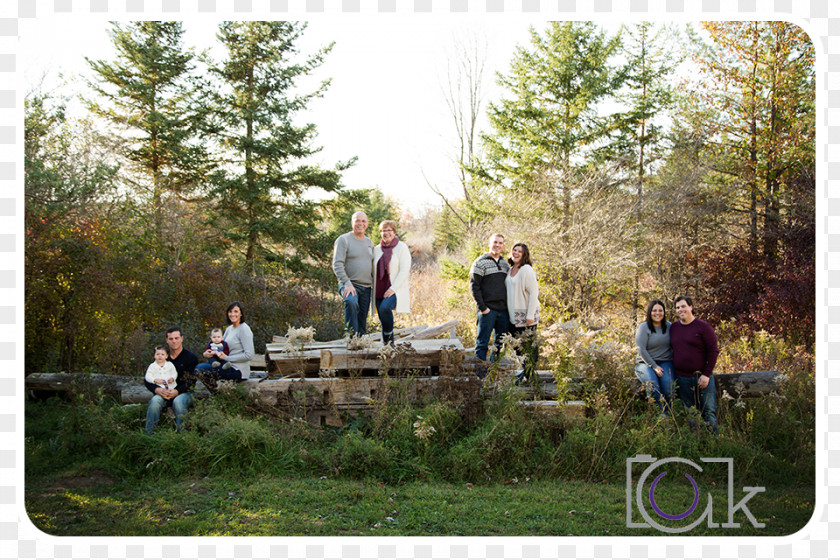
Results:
487 285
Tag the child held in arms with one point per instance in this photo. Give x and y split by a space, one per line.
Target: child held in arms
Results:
162 372
217 345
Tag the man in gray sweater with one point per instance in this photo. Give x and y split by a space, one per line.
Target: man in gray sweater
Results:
353 266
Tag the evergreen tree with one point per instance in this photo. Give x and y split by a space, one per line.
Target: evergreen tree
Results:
638 135
550 119
637 141
148 91
258 198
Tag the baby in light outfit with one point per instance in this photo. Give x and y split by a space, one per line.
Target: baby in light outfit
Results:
162 372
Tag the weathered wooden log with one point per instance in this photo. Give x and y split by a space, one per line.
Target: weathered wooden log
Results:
432 332
405 355
285 363
331 392
310 361
570 409
356 391
139 394
749 384
279 343
110 384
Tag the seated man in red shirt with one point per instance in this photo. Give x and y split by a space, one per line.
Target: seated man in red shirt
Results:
695 353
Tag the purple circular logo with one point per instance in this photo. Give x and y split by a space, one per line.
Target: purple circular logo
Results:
682 515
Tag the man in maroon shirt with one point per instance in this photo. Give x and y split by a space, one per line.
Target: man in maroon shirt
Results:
695 353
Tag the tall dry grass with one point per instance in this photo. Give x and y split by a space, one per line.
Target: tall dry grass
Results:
436 300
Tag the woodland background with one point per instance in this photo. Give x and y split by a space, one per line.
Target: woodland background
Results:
649 163
645 164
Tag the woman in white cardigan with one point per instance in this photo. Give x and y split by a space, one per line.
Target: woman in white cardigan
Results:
523 307
391 266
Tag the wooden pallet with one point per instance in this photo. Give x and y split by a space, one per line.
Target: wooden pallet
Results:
416 349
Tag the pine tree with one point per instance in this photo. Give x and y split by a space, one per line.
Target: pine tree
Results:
259 196
550 119
637 141
148 91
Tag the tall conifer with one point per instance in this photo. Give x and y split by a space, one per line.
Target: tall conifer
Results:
260 203
148 92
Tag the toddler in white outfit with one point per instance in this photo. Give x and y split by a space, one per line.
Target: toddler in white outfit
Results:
162 372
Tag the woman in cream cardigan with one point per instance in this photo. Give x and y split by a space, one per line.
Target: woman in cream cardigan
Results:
523 307
391 267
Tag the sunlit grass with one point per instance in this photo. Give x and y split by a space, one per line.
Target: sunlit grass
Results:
321 506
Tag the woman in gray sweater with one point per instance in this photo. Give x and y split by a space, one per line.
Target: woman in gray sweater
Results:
654 364
240 341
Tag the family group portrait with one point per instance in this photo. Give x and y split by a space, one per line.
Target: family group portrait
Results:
438 278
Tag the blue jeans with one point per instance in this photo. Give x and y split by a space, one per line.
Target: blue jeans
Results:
205 369
658 387
497 321
356 310
385 309
180 404
703 399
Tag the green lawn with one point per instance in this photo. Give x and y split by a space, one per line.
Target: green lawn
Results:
96 505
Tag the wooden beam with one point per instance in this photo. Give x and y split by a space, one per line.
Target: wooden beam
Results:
279 343
432 332
407 355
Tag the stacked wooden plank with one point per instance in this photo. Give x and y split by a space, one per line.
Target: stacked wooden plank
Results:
329 400
415 348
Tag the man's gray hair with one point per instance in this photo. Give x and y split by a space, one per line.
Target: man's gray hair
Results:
353 217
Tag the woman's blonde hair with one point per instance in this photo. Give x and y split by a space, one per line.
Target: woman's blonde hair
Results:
390 223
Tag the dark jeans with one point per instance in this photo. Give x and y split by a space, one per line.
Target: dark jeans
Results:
488 323
529 347
704 400
179 404
356 310
206 369
385 309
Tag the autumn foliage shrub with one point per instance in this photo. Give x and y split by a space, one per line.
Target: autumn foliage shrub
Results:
97 301
760 292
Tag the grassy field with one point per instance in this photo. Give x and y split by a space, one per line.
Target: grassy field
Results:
454 466
95 504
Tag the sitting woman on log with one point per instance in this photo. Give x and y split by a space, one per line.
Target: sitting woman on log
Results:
391 266
654 364
240 341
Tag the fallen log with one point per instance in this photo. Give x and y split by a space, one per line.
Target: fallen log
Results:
130 389
570 409
341 391
111 385
139 394
747 384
